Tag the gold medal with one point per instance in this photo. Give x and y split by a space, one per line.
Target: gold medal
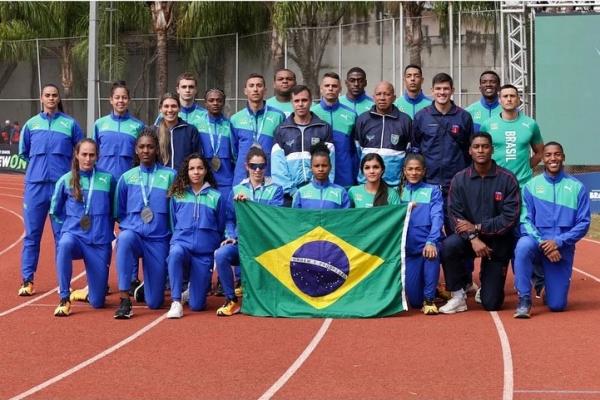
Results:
215 163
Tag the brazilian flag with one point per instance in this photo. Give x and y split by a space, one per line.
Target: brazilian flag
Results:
321 263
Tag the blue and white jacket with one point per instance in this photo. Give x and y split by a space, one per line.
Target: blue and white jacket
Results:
321 195
426 216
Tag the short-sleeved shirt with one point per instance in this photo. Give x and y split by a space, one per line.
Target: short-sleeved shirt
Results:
286 108
512 142
481 111
360 198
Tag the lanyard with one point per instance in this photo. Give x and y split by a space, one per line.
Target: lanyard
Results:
88 201
216 135
143 186
256 133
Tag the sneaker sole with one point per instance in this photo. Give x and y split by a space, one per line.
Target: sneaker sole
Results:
61 314
174 316
456 310
126 316
522 316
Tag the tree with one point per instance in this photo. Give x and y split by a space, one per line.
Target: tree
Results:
307 27
66 21
162 22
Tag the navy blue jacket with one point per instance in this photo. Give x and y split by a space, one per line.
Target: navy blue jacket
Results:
185 140
387 135
443 139
492 201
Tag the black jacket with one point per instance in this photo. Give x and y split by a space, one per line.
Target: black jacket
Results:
492 201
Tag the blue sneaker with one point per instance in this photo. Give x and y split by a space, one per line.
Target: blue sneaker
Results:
523 308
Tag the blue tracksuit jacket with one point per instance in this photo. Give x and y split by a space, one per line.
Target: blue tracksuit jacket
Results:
249 128
218 130
321 196
184 140
116 136
426 218
47 144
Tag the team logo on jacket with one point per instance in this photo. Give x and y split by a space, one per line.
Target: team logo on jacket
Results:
539 189
314 140
394 139
498 196
455 130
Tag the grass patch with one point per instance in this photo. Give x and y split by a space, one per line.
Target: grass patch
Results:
594 232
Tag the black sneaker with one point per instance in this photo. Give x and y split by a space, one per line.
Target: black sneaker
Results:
219 290
125 310
138 293
134 284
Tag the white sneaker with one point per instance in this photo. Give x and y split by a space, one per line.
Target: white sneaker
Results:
456 304
176 310
185 296
471 288
478 296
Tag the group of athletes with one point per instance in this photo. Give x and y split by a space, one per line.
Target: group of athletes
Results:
171 187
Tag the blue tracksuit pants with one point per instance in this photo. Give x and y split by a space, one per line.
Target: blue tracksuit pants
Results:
96 259
36 203
201 268
557 276
421 278
225 257
130 247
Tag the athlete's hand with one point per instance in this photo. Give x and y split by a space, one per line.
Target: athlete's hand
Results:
240 197
228 241
429 252
548 246
554 256
481 249
463 226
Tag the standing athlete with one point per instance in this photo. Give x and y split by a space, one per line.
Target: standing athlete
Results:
283 82
356 98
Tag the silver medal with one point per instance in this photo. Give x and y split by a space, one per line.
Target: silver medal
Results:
215 163
147 215
85 222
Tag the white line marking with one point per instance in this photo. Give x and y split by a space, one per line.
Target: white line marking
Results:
11 195
20 238
591 240
299 361
586 274
90 361
36 298
559 391
507 392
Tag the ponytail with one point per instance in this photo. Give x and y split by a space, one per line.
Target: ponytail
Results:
75 184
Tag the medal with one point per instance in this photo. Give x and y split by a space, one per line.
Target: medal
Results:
215 163
85 222
147 215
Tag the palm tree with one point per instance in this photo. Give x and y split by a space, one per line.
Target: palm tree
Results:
162 23
66 21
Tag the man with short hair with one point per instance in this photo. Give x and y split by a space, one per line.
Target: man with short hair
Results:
413 100
515 136
384 130
290 155
483 206
488 105
555 216
189 111
341 119
255 125
283 82
356 98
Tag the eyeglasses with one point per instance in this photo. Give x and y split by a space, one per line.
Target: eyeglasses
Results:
255 166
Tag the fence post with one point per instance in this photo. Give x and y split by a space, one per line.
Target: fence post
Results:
92 68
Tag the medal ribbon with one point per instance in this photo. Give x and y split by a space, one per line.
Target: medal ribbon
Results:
88 201
214 135
258 129
143 186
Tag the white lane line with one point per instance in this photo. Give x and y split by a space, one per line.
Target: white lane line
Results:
586 274
507 391
11 195
36 298
90 361
591 240
559 391
299 361
20 238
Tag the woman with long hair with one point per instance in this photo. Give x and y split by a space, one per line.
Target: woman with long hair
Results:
142 210
177 139
46 143
82 204
116 133
256 187
320 192
374 192
198 220
424 236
